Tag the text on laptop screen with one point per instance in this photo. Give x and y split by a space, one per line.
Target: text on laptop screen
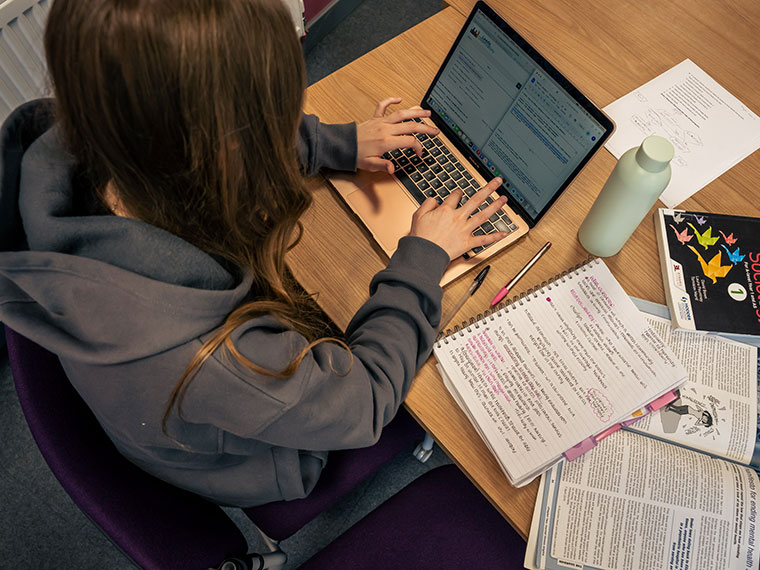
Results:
514 118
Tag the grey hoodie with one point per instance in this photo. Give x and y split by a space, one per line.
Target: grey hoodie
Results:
126 305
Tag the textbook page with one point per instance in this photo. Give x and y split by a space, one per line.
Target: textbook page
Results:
555 368
711 130
636 502
717 409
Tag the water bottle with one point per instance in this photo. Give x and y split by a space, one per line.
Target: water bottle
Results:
634 185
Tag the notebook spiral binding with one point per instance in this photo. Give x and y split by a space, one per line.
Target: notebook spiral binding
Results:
521 299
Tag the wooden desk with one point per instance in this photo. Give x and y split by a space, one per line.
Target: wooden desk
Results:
606 52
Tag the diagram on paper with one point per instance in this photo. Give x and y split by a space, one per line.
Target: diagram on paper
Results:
671 125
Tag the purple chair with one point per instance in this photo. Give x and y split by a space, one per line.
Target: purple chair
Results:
155 524
440 520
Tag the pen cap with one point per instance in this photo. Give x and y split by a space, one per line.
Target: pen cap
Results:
637 181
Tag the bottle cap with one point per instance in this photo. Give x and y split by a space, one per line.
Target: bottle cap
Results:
655 153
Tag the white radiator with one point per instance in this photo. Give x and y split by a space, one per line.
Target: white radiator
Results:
22 57
297 13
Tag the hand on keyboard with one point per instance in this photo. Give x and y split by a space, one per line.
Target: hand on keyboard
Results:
382 134
451 227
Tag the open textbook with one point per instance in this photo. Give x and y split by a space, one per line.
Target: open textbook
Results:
637 502
717 408
644 498
554 368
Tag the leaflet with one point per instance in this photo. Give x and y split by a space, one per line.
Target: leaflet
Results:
710 129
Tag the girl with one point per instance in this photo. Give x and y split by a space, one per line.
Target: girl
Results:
147 212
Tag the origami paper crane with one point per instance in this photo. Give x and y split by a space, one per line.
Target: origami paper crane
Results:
729 239
683 236
706 238
713 269
733 257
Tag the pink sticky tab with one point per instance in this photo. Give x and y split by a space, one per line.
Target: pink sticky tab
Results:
663 400
610 430
576 451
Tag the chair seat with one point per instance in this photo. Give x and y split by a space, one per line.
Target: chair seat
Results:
345 470
439 521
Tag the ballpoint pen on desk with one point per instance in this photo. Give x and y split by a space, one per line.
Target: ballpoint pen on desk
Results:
463 299
508 287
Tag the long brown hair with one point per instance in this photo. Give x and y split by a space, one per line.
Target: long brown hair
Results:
190 110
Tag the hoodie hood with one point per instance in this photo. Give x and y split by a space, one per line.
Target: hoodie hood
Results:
93 287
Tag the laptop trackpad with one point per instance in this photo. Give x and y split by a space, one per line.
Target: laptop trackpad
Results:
385 209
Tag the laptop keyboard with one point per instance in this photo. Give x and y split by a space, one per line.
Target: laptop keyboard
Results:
437 174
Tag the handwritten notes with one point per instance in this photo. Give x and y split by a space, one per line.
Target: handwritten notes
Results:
555 367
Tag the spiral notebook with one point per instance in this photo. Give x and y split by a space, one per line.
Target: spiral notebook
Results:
560 365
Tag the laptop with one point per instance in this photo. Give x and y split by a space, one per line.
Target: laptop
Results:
503 110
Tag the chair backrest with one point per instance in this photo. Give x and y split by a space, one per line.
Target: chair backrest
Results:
155 524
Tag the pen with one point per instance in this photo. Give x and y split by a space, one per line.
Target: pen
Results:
467 294
505 290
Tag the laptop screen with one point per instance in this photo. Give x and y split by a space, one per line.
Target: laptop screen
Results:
513 114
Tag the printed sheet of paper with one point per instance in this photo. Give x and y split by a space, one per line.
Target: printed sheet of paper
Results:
555 368
710 129
636 502
717 409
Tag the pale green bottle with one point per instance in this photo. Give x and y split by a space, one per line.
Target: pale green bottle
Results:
634 185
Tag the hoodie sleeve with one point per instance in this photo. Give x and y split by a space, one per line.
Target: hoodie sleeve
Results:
339 399
326 146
